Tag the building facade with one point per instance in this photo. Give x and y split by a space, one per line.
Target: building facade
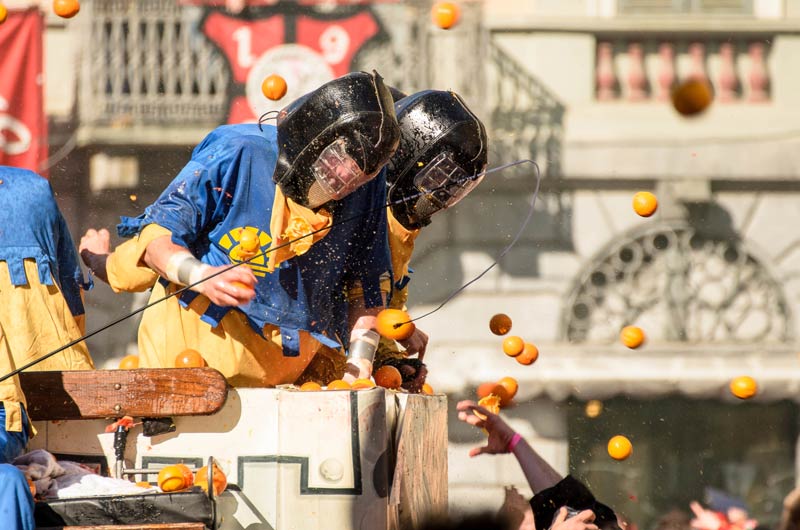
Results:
581 88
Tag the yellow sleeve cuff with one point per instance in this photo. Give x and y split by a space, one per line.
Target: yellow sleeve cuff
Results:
125 266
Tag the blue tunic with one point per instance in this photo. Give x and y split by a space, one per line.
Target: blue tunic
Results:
226 186
32 227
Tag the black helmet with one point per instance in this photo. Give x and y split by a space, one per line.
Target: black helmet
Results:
442 149
335 139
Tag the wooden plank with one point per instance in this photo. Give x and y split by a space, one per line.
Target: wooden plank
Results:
167 526
419 488
149 393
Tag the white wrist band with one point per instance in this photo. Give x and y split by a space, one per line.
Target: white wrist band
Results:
184 269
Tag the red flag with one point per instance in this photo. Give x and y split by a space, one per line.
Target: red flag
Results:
23 124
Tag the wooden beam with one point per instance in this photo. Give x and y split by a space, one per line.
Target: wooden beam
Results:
149 393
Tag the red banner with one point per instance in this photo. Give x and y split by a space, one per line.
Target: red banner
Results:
23 124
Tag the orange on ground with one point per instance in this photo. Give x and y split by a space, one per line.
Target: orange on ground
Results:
310 386
500 324
529 354
490 403
743 387
394 324
171 478
511 386
692 97
362 384
189 358
129 362
143 484
645 203
219 478
388 377
513 346
66 8
248 241
274 87
619 447
445 14
338 384
631 336
3 13
427 389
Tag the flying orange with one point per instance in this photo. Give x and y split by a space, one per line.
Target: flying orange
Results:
445 14
66 8
631 336
619 447
513 346
394 324
645 203
274 87
743 387
500 324
692 97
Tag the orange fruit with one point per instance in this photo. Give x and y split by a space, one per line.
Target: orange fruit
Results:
491 403
362 384
484 389
274 87
310 386
645 203
631 336
171 478
692 97
513 346
219 478
189 358
511 386
143 484
500 324
188 476
243 286
445 14
338 384
427 389
619 447
388 377
529 354
66 8
394 324
129 362
248 241
31 485
743 387
3 13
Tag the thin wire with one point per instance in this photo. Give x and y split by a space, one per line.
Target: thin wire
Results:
266 116
278 247
503 252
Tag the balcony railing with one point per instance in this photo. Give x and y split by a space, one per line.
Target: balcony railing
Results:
144 64
636 69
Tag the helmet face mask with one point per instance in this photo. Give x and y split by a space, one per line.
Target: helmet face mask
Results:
335 139
441 157
445 181
337 173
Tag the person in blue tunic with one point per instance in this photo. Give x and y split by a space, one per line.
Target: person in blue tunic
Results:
42 309
303 203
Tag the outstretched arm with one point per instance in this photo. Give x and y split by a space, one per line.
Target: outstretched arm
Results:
539 474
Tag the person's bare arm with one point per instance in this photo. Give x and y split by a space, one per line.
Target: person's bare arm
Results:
790 518
539 474
176 263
